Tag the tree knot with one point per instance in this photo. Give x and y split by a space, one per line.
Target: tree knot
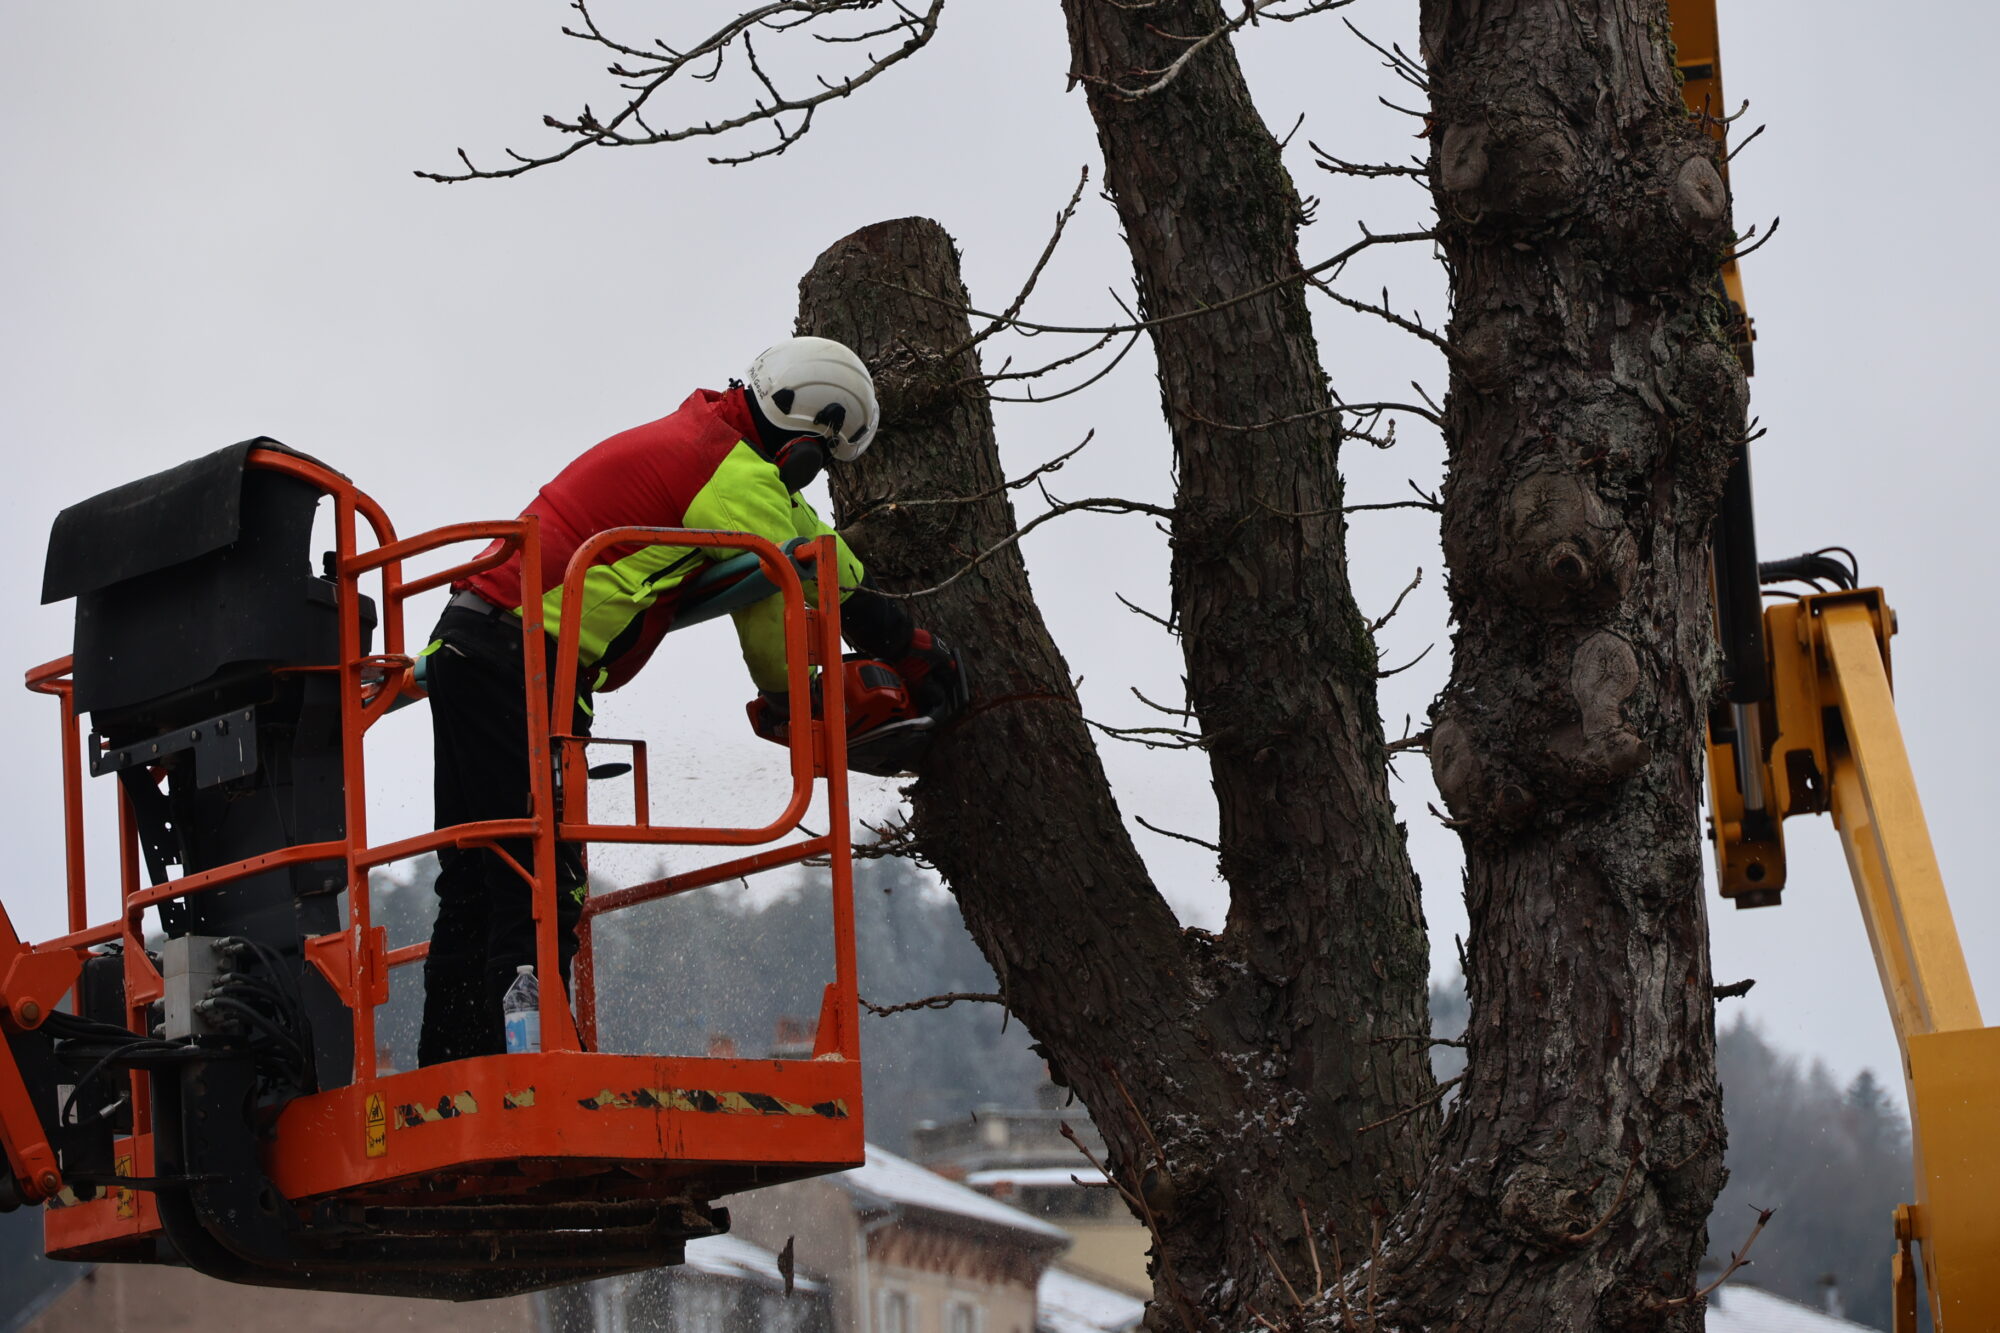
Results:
1562 545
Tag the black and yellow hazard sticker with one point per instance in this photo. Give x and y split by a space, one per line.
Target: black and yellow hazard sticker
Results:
375 1126
411 1114
708 1103
127 1201
516 1101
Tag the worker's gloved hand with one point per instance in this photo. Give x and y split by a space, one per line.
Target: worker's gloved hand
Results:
771 716
934 675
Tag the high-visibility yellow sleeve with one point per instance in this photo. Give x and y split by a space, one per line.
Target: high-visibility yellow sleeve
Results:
745 495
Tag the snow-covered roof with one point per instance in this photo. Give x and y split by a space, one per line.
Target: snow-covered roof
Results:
1733 1308
1066 1303
1032 1177
727 1256
889 1179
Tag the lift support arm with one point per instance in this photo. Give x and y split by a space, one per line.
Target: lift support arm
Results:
1835 745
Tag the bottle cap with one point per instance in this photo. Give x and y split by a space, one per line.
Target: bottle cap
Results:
526 969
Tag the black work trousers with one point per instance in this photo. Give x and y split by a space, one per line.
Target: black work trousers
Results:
485 925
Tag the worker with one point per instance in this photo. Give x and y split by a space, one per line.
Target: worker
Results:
734 460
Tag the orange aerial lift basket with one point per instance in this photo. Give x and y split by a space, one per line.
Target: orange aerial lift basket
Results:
215 1100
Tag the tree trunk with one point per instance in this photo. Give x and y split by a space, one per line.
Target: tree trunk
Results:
1325 934
1272 1081
1157 1029
1594 403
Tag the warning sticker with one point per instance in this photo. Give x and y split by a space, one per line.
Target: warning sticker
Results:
411 1114
376 1126
127 1202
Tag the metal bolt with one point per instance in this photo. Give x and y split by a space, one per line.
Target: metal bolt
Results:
50 1182
28 1012
194 733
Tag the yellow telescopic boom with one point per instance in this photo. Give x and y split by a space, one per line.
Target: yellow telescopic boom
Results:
1822 736
1835 746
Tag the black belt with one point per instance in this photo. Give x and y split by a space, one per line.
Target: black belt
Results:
473 602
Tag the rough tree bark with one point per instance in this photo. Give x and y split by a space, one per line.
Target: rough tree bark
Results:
1593 401
1172 1038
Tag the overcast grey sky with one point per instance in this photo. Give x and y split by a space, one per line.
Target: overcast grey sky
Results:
210 231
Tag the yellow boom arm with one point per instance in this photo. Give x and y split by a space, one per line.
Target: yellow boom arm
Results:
1835 746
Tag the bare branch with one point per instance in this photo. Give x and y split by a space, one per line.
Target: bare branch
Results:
1367 170
1136 610
1138 326
1005 374
1405 68
1253 11
1312 1248
1353 409
1383 312
1395 504
1112 365
892 838
1420 742
1426 1040
1175 738
889 506
1617 1202
1169 833
1390 614
1736 1260
1034 274
1145 1211
1282 1279
1436 1096
1397 671
944 1001
1734 255
1183 713
1745 144
645 72
1102 505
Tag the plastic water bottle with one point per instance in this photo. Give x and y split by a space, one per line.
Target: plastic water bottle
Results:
521 1012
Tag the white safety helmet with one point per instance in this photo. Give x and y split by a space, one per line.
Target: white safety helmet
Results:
816 386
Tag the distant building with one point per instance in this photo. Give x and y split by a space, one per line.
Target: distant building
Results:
1067 1303
727 1285
110 1298
1020 1156
1736 1308
903 1250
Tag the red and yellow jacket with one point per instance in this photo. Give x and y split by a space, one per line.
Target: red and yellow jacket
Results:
693 469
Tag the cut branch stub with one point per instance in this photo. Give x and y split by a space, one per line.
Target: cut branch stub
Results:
1700 199
1530 174
1562 546
1604 673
